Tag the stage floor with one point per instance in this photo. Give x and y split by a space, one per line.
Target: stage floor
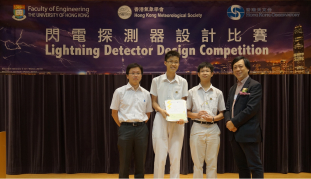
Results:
105 175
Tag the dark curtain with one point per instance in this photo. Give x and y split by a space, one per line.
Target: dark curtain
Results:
63 124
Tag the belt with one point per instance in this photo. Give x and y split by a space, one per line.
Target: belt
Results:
202 122
132 123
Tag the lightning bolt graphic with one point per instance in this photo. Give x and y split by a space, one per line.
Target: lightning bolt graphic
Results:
169 104
248 29
19 44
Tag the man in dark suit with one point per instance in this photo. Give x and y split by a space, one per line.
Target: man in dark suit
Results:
242 117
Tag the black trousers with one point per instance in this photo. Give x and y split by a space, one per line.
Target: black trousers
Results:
132 139
246 156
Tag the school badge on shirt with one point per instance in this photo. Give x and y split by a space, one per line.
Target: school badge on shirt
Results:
19 12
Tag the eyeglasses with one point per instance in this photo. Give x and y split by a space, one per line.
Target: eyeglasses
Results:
203 71
171 62
238 67
135 74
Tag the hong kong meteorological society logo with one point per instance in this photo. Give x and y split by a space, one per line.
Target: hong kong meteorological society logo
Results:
235 12
124 12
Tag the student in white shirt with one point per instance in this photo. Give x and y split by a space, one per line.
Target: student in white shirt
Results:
131 106
167 137
203 103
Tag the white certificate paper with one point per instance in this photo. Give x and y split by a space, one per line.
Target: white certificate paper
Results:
177 109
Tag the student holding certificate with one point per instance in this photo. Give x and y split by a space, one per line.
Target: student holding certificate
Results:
131 107
203 103
167 137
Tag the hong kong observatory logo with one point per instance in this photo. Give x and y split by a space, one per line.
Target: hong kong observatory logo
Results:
235 12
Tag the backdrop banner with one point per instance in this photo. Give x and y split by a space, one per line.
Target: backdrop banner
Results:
104 37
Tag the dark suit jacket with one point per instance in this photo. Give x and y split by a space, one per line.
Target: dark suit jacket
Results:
247 111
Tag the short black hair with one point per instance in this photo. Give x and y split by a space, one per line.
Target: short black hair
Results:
172 54
246 62
133 65
205 64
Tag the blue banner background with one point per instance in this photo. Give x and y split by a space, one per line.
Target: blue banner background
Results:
23 43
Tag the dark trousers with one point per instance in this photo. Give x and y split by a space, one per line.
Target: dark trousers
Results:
132 139
246 156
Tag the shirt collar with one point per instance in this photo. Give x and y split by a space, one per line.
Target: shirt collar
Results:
243 81
201 87
175 78
129 86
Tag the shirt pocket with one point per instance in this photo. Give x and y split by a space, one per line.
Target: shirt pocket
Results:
177 92
243 97
125 103
141 102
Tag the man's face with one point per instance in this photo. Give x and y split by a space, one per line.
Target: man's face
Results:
239 70
205 74
172 64
134 76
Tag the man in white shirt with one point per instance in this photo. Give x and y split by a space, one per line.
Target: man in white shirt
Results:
167 137
131 106
203 103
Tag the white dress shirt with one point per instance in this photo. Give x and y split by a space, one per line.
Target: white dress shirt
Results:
211 100
168 90
132 105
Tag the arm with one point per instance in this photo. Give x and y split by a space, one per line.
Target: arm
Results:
148 114
198 115
219 117
148 107
157 107
114 114
154 98
192 115
115 103
227 115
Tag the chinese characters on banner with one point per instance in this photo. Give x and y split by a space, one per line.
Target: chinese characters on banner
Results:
104 37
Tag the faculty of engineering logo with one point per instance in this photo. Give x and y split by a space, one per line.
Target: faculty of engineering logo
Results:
235 12
124 12
19 12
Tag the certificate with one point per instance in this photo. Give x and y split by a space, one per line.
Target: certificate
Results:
176 109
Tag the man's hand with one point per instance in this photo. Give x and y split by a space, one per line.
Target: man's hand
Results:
231 126
208 118
181 121
164 113
234 129
201 114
